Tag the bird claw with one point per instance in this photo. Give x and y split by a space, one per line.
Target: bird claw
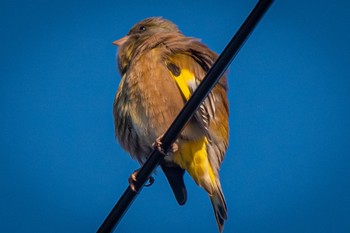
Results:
158 145
132 180
150 181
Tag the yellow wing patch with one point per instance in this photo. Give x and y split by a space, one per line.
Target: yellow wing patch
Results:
182 81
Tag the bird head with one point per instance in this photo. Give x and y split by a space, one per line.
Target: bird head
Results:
143 35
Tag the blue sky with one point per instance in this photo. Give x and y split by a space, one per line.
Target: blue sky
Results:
287 167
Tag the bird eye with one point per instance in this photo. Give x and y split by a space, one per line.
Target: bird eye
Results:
142 28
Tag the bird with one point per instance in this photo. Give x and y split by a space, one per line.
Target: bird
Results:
160 68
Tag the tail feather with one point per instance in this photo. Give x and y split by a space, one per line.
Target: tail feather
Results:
174 174
219 205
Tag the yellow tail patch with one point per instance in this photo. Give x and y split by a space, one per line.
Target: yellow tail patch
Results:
192 156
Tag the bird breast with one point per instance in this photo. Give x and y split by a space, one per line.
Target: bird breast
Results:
153 96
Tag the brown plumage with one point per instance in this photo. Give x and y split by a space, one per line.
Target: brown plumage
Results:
154 59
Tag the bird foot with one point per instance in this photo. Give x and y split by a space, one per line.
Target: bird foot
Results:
132 180
158 145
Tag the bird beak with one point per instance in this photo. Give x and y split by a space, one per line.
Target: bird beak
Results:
120 41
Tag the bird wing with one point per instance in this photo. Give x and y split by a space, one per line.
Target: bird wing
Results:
187 73
188 62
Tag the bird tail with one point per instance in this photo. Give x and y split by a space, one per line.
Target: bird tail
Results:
219 205
175 174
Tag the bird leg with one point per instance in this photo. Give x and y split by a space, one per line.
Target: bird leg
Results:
158 145
132 180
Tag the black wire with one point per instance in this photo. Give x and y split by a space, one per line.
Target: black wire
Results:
212 77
